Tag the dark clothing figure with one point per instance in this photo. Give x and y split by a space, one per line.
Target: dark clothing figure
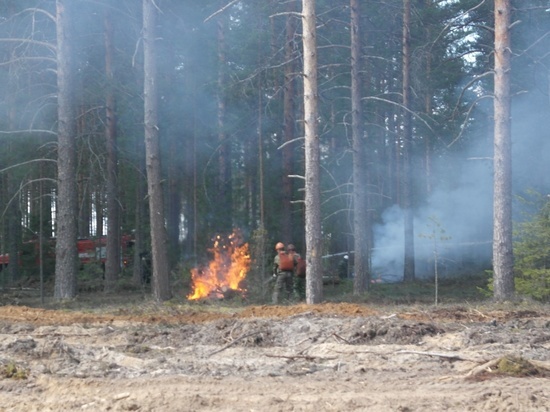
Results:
299 281
343 267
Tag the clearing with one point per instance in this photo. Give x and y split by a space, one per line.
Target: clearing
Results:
216 357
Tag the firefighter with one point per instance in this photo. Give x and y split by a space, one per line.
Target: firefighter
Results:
283 272
299 284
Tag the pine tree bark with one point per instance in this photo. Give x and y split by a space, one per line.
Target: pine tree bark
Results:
406 176
503 260
289 95
13 215
159 237
140 259
191 185
113 261
428 103
66 254
314 279
225 193
361 224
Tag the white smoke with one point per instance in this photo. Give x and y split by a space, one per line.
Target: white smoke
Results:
461 205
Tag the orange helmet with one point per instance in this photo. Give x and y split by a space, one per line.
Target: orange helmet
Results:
279 246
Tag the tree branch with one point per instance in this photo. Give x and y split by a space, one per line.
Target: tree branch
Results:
22 58
50 46
37 10
290 141
220 10
28 131
402 107
467 115
26 163
287 13
246 335
450 357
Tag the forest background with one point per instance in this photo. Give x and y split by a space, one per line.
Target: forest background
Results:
230 127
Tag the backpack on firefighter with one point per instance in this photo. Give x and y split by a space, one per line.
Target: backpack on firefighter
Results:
286 262
300 264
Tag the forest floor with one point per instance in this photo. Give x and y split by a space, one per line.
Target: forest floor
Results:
213 356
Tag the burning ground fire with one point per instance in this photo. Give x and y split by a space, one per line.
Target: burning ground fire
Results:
225 272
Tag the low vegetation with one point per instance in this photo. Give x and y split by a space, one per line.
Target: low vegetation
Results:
13 371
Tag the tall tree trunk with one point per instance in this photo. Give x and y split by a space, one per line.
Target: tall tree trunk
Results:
261 197
261 177
361 224
3 229
12 210
14 225
140 257
174 198
224 202
428 103
406 176
314 280
289 94
90 193
112 265
159 238
66 255
503 263
191 185
174 135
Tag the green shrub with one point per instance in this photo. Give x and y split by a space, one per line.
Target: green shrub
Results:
532 251
12 371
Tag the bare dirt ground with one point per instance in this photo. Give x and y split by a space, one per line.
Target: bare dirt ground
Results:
330 357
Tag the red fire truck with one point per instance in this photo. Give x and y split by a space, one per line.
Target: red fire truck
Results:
95 250
90 250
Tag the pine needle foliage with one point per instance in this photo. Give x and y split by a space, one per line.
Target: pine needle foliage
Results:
532 251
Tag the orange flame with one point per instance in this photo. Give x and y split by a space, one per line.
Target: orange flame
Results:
227 269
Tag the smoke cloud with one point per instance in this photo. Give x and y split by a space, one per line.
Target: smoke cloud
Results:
456 220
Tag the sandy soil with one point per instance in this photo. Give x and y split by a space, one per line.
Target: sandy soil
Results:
331 357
